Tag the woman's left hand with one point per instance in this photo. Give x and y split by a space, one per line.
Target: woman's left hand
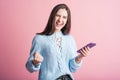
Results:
85 51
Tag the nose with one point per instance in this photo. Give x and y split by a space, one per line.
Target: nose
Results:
60 19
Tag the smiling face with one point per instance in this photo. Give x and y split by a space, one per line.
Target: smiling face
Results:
60 19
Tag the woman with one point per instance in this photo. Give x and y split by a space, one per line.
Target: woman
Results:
53 51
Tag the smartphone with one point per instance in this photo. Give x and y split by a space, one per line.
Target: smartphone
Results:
90 45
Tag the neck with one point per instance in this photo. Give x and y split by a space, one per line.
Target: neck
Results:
57 30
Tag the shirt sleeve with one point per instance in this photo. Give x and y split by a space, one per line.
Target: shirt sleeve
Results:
35 48
73 66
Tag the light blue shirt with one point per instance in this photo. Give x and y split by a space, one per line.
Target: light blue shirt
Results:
56 62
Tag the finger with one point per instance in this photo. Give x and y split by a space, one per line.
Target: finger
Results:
40 58
36 54
86 49
35 62
83 52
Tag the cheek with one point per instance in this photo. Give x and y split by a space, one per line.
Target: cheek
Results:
65 21
55 20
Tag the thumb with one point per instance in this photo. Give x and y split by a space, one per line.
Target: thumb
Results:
36 54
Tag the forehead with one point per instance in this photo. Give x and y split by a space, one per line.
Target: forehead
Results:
62 12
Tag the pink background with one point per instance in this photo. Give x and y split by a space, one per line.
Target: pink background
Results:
92 21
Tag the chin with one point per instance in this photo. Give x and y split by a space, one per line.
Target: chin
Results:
58 28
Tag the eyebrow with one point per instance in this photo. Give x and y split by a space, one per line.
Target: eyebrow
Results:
63 16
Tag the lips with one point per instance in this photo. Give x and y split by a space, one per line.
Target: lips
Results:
59 24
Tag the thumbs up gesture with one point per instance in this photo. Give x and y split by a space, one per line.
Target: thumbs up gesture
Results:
37 58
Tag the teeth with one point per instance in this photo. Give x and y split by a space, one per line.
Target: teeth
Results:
57 23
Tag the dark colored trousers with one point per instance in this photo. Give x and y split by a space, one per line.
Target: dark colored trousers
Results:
64 77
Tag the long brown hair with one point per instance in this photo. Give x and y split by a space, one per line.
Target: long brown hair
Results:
49 29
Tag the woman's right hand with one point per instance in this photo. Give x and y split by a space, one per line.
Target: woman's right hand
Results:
37 58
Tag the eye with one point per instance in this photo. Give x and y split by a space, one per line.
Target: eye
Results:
57 15
65 17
